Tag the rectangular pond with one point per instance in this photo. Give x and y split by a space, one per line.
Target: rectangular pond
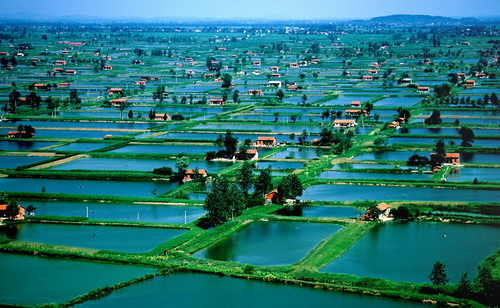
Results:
81 146
407 251
214 291
270 128
35 280
88 187
398 101
159 213
10 162
124 239
469 174
363 166
93 163
397 193
374 175
279 165
15 145
320 211
446 131
166 148
296 153
213 136
269 243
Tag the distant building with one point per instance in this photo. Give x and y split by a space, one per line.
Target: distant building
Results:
344 123
192 174
3 212
265 142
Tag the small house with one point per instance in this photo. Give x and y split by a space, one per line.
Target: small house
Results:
60 62
63 84
265 142
469 84
216 101
107 68
162 117
274 68
276 84
423 89
3 212
450 158
344 123
256 63
70 72
255 92
355 112
292 88
118 102
193 174
115 91
41 86
368 78
355 104
251 154
294 65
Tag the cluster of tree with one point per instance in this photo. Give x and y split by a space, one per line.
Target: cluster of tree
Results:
467 135
435 118
5 62
227 145
485 288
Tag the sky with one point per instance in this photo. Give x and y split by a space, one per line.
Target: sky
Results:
250 9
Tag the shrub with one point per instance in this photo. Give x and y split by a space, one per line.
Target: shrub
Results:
163 171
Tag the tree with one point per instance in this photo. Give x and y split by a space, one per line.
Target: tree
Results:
417 161
163 171
438 274
236 95
486 282
404 113
130 114
31 209
230 144
494 99
224 201
226 80
435 118
464 287
290 187
440 156
12 209
264 181
181 163
280 95
467 135
245 177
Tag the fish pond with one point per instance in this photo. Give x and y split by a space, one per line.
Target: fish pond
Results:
159 213
397 193
124 239
221 291
406 251
269 243
88 187
53 280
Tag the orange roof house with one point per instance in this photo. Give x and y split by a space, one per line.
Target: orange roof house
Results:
264 142
63 84
115 90
469 84
3 212
355 112
344 123
251 154
256 63
118 101
216 101
162 116
193 174
423 89
255 92
451 158
367 78
60 62
294 65
355 104
107 68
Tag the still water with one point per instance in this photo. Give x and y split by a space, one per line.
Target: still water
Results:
124 239
36 280
407 251
202 290
117 211
269 243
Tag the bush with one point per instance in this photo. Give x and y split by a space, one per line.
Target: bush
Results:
163 171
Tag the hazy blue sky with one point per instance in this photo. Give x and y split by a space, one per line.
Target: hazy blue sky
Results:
294 9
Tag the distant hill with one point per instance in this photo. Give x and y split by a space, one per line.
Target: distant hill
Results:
420 19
